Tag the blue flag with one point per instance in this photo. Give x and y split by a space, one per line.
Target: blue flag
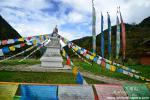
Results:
79 78
5 50
38 92
102 36
109 37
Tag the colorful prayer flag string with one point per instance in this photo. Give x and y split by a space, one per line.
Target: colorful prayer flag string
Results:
79 77
113 67
28 49
38 48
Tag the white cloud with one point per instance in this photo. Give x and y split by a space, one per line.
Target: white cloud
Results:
75 17
28 19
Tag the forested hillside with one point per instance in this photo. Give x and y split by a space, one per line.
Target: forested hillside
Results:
137 39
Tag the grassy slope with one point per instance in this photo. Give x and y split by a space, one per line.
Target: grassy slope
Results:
16 62
40 77
53 78
96 69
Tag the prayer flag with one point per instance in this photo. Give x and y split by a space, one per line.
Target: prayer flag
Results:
137 91
21 39
38 92
117 38
110 92
17 46
94 27
107 66
8 91
79 78
5 49
109 37
99 61
34 42
102 37
12 48
16 40
68 62
1 52
91 57
103 63
95 59
120 70
75 71
22 44
112 68
87 56
4 42
123 34
10 41
80 92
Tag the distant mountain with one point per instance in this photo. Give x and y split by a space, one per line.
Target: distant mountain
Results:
137 38
145 22
6 31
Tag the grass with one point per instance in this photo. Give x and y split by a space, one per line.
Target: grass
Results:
96 69
41 77
14 62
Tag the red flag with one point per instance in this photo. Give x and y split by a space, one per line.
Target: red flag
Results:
68 62
123 35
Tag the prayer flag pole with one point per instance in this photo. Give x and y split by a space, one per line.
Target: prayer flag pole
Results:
94 27
109 36
123 35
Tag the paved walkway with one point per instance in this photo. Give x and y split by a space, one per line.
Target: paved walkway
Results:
37 68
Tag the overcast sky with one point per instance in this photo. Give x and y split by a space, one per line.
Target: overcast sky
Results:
73 17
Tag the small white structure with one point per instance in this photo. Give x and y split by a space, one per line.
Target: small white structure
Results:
52 57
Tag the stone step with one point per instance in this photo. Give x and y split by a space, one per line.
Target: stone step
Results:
53 50
52 54
52 59
54 46
51 64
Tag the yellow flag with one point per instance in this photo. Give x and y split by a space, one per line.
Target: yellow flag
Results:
91 57
63 53
34 42
12 48
94 54
75 49
75 71
21 39
142 78
112 68
40 37
8 91
124 67
109 61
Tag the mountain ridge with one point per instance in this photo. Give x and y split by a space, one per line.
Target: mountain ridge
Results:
135 35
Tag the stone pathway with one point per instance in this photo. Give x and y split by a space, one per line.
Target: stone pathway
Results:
105 79
37 68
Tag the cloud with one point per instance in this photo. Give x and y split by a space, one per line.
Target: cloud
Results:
73 17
